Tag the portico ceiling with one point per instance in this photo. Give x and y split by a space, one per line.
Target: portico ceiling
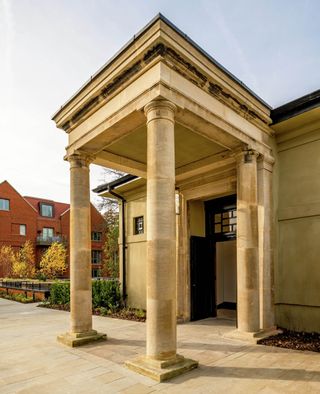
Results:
189 147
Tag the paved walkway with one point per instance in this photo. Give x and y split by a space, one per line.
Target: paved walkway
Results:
31 361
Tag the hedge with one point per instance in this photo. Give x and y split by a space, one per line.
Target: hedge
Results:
60 293
105 293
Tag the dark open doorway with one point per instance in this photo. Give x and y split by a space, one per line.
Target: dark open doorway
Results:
213 260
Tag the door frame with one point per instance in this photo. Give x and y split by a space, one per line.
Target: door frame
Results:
219 206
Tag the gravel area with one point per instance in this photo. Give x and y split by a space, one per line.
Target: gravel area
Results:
125 314
294 340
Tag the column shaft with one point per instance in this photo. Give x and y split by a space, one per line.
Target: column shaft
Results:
266 252
161 361
80 246
247 243
161 232
81 331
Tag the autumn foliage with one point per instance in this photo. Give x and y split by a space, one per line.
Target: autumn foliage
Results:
24 262
53 262
6 260
21 263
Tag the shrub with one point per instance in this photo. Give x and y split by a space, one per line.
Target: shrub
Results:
16 297
60 293
22 298
103 311
140 314
106 293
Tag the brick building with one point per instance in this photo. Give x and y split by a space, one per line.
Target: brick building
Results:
43 222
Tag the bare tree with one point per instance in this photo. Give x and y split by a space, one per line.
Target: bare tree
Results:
110 211
107 204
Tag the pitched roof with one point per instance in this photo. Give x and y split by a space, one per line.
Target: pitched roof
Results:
5 182
59 207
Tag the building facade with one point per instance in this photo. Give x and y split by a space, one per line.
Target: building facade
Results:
208 228
225 212
43 222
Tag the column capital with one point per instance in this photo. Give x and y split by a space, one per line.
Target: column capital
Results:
246 155
79 159
266 163
160 109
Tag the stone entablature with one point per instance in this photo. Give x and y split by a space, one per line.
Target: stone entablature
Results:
161 62
178 63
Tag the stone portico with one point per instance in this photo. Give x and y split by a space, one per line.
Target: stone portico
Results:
164 110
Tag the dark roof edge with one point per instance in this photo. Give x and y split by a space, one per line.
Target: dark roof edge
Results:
117 182
159 16
296 107
213 60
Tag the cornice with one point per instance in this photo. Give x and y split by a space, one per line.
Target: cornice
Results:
162 52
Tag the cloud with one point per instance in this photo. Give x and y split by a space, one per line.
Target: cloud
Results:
232 41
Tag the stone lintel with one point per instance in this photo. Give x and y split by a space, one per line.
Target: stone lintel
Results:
252 337
79 339
161 370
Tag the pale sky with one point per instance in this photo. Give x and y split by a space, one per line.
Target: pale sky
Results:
49 48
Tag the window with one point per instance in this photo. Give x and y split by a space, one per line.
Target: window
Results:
46 210
4 204
225 222
96 236
23 229
138 225
96 256
96 273
47 233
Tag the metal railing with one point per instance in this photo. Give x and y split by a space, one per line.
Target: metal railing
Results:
45 240
25 285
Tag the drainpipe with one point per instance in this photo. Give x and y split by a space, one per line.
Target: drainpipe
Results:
124 282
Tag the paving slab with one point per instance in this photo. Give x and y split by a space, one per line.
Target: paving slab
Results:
32 361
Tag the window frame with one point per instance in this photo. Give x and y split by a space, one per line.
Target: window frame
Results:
93 233
47 237
5 200
93 258
25 229
136 230
42 204
221 218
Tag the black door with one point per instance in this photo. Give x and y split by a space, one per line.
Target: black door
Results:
202 278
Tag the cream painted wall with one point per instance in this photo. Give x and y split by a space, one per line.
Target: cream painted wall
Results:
297 273
136 254
197 218
226 272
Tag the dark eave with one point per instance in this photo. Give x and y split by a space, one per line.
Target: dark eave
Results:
296 107
182 34
117 182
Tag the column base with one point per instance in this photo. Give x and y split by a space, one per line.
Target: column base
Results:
252 337
81 338
161 370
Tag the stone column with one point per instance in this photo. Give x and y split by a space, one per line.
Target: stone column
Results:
247 243
81 331
161 361
183 266
266 252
